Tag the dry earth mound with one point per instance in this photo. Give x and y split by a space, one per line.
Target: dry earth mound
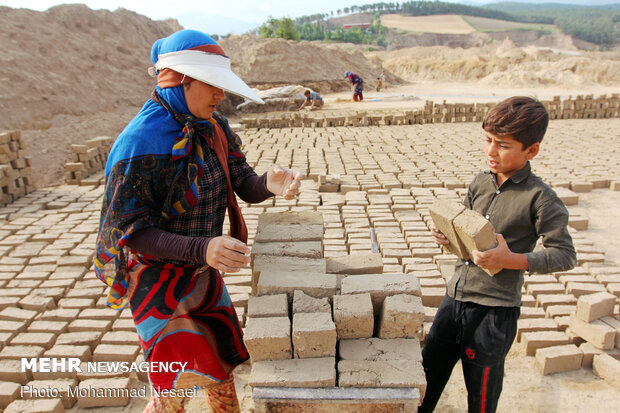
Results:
73 60
265 63
503 63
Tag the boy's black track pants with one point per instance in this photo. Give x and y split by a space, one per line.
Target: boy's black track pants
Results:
481 337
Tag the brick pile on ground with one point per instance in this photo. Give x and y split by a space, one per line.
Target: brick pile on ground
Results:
302 316
387 179
15 168
87 160
582 107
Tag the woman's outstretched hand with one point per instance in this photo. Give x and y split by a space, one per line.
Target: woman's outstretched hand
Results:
283 181
227 254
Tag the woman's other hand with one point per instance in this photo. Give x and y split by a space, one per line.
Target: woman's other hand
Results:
283 181
227 254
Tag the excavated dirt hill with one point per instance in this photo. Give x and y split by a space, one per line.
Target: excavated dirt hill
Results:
266 63
72 60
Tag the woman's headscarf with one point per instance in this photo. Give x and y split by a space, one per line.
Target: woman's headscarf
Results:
154 168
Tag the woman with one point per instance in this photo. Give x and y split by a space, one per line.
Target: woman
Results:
170 177
357 85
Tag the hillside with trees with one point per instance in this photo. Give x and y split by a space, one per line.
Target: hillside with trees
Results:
596 24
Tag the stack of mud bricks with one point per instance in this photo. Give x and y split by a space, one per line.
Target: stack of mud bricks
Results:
15 167
592 339
87 159
326 334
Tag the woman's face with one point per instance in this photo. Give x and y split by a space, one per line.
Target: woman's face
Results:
201 98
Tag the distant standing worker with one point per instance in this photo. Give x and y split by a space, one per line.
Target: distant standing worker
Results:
357 85
380 80
315 100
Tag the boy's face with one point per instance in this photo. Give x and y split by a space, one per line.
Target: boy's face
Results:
505 155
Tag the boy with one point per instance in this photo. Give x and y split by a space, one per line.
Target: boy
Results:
477 319
314 98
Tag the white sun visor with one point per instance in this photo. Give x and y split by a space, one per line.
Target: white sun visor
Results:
209 68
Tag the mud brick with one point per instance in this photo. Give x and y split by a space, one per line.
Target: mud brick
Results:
432 296
558 359
90 325
37 303
380 286
565 279
45 340
476 233
567 196
385 373
562 322
597 332
268 338
401 317
541 339
12 326
17 352
559 310
15 292
8 392
607 368
62 386
120 337
443 212
584 258
11 371
121 398
116 352
539 279
17 314
6 302
303 303
290 226
547 288
313 372
55 293
90 338
34 275
534 324
615 324
72 260
578 289
594 306
314 335
272 263
5 337
581 186
314 284
123 324
99 314
531 312
82 352
304 249
268 306
355 264
377 349
353 315
94 292
36 406
589 351
545 300
60 314
79 303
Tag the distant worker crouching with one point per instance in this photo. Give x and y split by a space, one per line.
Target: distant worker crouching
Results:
314 99
357 85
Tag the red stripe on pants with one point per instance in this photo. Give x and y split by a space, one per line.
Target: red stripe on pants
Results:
484 389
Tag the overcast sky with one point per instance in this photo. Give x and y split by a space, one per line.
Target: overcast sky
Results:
233 12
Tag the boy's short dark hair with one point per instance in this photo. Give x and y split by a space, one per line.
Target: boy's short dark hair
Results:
522 117
307 92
